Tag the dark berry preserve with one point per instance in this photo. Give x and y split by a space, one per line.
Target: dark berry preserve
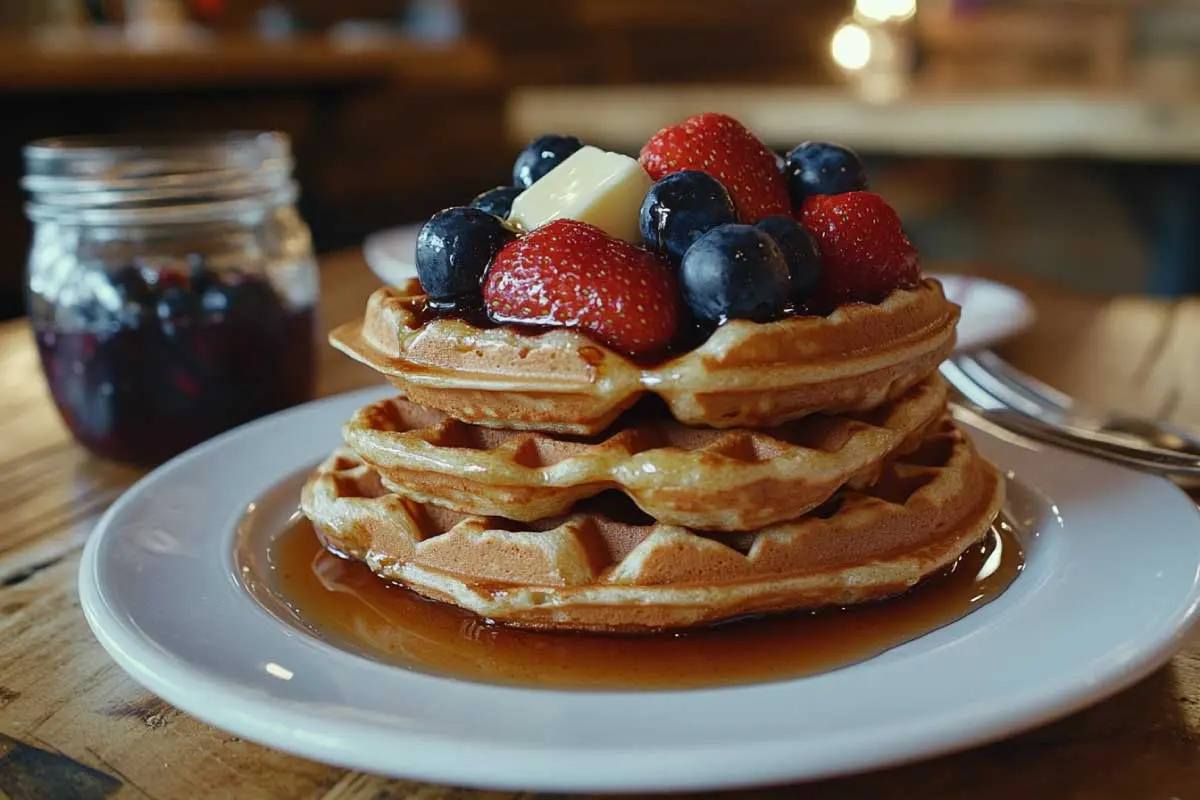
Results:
172 288
176 365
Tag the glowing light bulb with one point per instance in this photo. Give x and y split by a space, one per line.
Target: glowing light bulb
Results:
851 46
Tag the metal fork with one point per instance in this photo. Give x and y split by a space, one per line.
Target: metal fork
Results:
998 392
1020 390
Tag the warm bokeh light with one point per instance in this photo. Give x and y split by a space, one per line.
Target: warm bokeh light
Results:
851 46
884 10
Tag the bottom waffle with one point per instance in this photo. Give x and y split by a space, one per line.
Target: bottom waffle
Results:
607 567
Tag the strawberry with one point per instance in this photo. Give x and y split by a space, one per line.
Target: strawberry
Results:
568 273
724 148
865 253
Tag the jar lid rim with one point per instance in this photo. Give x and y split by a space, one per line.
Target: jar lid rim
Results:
195 211
122 173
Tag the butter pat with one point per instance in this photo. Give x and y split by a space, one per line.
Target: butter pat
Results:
592 185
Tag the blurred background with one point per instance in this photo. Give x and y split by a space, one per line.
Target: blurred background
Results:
1059 138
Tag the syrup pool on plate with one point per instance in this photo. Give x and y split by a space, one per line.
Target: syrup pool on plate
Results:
343 603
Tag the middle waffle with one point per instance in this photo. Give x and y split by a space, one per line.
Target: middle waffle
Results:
720 480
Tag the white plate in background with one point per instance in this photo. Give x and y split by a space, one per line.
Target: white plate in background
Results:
992 312
391 253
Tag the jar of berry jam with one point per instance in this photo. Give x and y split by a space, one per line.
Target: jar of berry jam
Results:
172 287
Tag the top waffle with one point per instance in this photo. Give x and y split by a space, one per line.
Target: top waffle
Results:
746 375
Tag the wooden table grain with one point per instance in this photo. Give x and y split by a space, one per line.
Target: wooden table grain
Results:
73 725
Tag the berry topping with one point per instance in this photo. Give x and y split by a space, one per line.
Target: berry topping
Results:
865 253
823 168
542 155
681 208
497 201
454 249
572 274
722 147
735 272
799 251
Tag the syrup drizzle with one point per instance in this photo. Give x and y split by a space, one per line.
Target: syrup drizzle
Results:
343 603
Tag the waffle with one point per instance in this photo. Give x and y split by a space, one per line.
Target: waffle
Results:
746 375
602 569
696 477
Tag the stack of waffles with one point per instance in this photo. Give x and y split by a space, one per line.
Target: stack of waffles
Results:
543 479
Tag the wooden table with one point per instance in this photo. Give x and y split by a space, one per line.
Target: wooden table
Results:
73 725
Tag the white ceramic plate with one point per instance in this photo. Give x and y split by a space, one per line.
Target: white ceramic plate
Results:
992 312
392 254
1110 586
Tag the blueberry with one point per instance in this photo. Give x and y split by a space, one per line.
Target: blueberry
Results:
542 155
497 201
215 301
681 208
137 298
251 302
799 250
454 249
735 272
131 285
175 304
823 168
198 271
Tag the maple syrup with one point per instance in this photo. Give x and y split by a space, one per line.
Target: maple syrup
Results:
345 604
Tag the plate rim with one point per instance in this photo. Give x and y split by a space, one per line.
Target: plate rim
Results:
275 723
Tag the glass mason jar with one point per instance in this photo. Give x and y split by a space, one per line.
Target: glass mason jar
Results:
172 287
